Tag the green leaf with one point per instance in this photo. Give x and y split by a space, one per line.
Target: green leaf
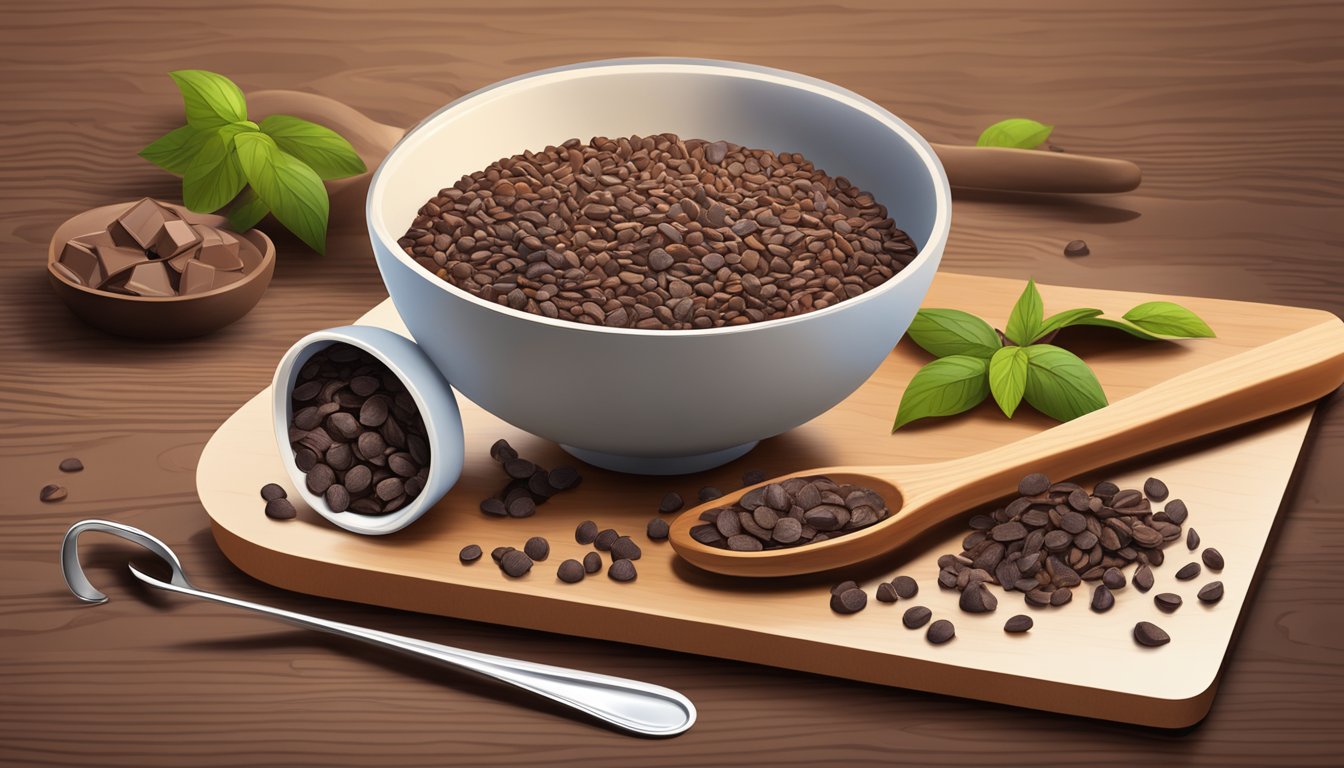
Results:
247 211
324 150
943 332
946 386
1119 325
1064 320
1017 132
174 151
1060 385
1168 319
214 176
287 186
211 100
1024 324
1008 378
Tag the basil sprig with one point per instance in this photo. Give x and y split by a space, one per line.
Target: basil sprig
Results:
275 167
974 361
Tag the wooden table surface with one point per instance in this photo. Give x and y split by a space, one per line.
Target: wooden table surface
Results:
1234 116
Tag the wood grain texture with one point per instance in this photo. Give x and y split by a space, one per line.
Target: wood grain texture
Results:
1232 113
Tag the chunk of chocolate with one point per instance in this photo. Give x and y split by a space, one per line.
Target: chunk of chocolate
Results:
219 249
150 279
116 260
81 261
66 274
176 238
142 223
198 277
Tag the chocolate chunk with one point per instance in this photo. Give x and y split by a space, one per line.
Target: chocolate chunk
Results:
1155 489
470 553
657 529
622 570
1167 601
916 617
515 563
52 492
1018 624
592 562
586 532
150 279
851 600
1150 635
537 548
1076 248
1188 572
71 465
905 586
142 223
1213 559
940 632
605 538
272 491
1102 599
670 503
1211 592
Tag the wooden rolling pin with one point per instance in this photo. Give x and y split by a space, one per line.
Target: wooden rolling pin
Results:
993 168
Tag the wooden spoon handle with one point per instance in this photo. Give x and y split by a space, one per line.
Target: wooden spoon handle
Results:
1263 381
1034 170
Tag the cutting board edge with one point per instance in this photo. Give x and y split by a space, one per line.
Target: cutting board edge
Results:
907 672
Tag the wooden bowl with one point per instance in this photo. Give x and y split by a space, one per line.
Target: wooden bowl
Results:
159 317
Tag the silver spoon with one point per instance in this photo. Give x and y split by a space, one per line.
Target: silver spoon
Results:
640 708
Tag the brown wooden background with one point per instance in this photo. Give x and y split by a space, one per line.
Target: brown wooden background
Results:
1234 114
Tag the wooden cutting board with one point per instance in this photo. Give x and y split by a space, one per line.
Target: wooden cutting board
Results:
1073 661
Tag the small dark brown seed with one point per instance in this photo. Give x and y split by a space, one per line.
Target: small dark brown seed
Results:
492 506
1211 592
337 498
537 548
1176 511
523 506
272 491
1213 559
1188 572
670 503
280 509
1150 635
1061 596
571 571
592 562
501 451
1155 489
1033 484
563 478
1076 248
906 587
886 593
1143 578
71 465
1113 578
844 586
752 477
940 632
386 490
604 539
320 478
625 548
850 601
515 563
586 532
1192 540
622 570
519 469
1019 623
497 554
709 493
916 617
1102 599
52 492
744 542
657 529
470 553
976 598
1167 601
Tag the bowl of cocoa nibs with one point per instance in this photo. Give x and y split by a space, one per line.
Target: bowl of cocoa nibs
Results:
656 263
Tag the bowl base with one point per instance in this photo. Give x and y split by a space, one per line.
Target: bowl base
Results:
659 465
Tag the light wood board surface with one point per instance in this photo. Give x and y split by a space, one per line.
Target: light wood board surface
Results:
1232 486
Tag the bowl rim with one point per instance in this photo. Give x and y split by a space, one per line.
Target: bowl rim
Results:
267 248
938 234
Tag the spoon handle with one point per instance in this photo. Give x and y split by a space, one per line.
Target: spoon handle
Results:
1251 385
639 708
1034 170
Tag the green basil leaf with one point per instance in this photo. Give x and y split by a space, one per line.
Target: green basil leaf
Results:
1065 319
1060 385
247 211
1024 324
946 386
324 150
214 176
1008 378
291 189
1168 319
1119 325
174 151
1017 132
211 100
943 332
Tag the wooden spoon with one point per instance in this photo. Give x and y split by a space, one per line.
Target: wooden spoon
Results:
1239 389
993 168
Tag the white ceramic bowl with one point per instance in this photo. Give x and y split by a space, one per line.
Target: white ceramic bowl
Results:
433 396
646 401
